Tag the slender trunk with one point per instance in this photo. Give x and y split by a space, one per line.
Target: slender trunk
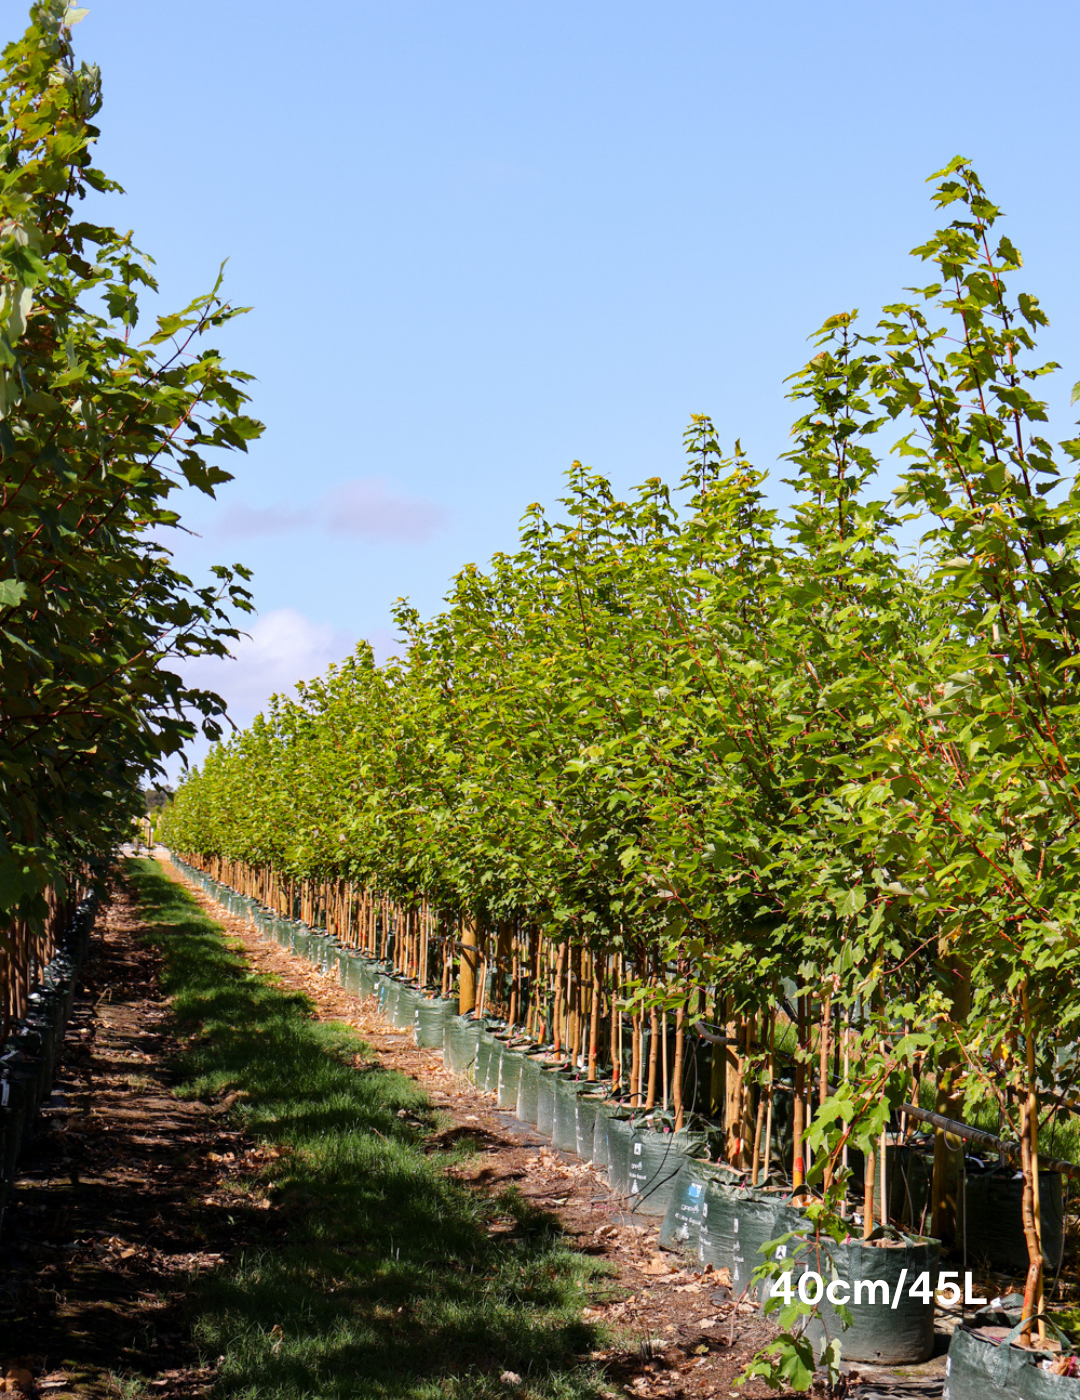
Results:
677 1068
559 966
942 1216
654 1052
798 1166
1032 1215
635 1061
616 1028
772 1091
467 967
594 1019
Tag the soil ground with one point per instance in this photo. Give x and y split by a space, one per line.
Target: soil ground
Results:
121 1201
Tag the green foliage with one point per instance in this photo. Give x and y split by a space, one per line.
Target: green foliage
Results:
97 430
741 747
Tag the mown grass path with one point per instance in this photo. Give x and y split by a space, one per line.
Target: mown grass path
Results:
392 1279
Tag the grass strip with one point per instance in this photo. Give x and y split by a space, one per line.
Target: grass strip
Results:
392 1279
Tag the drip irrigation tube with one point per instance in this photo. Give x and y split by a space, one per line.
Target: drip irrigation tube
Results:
962 1130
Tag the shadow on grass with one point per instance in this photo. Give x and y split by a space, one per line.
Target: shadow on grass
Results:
394 1280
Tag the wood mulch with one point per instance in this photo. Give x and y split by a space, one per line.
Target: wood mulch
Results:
126 1195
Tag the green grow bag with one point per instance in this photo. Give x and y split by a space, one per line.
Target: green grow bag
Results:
300 942
545 1100
13 1117
897 1334
510 1061
654 1162
405 1007
588 1107
370 975
463 1035
429 1021
564 1128
388 1005
620 1130
681 1226
351 971
604 1110
486 1047
995 1232
528 1088
736 1222
984 1367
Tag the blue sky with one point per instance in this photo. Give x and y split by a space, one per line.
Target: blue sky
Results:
482 240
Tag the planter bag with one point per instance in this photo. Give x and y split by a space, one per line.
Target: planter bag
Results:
352 971
545 1100
568 1089
388 1005
429 1021
509 1078
991 1217
13 1121
528 1088
405 1007
681 1227
897 1333
620 1130
654 1163
588 1107
736 1222
979 1367
488 1050
300 942
462 1037
370 974
604 1110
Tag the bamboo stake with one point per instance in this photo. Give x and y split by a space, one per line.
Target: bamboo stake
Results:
654 1052
663 1047
594 1018
677 1088
1034 1283
772 1093
798 1169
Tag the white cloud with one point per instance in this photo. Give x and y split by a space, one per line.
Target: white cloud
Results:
246 522
367 507
283 647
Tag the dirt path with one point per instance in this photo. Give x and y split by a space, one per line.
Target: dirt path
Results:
687 1336
118 1204
128 1193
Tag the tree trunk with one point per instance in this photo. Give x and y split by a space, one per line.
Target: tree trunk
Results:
467 967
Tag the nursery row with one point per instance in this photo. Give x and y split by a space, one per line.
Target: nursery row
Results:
708 1212
797 793
97 430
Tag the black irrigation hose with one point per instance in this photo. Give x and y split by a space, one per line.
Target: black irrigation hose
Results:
962 1130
